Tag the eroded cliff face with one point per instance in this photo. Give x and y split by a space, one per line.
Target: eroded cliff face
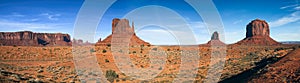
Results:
258 28
123 34
258 33
27 38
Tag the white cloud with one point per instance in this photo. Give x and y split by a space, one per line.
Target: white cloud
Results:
14 14
238 21
198 32
288 37
186 32
197 25
293 17
32 20
297 8
169 37
288 6
157 37
17 26
51 16
234 36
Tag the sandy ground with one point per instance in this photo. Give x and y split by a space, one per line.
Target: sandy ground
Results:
56 64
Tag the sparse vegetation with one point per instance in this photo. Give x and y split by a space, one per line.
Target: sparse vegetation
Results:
111 75
155 49
92 50
103 51
160 68
108 45
106 60
168 49
239 61
277 49
251 56
56 49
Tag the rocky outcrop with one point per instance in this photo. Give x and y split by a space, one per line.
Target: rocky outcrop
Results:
215 40
258 33
215 36
28 38
122 33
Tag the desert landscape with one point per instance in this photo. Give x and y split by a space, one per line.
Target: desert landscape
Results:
30 57
149 41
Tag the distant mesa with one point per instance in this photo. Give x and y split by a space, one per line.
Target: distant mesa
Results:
215 40
79 42
258 33
290 42
28 38
121 32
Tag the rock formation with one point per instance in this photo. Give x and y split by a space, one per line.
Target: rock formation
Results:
79 42
122 33
27 38
258 33
215 40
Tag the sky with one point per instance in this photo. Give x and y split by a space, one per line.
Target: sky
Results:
156 21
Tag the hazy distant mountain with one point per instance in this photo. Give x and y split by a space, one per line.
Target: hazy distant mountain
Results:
290 42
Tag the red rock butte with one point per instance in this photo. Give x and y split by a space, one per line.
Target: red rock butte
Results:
28 38
258 33
122 33
215 40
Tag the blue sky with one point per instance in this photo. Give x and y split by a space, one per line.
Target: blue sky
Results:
54 16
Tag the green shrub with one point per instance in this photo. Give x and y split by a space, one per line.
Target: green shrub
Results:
251 56
103 51
160 68
155 49
168 49
106 60
56 49
92 50
277 49
295 47
108 45
120 50
40 76
202 67
111 75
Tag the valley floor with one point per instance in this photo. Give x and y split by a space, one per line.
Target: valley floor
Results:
57 64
